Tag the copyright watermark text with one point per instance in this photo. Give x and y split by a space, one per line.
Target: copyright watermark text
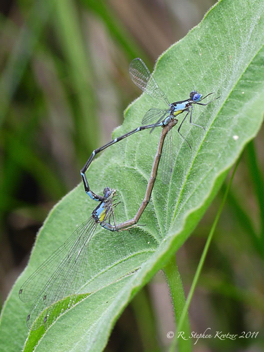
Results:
208 334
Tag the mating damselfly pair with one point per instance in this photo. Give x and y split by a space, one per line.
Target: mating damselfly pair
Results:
62 273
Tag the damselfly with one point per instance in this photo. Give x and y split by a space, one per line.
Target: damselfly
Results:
142 77
64 272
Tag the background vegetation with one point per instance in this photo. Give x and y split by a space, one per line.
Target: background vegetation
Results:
64 86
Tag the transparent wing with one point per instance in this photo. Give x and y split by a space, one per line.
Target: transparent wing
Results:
62 274
142 78
154 115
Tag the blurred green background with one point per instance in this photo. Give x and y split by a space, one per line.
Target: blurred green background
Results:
64 85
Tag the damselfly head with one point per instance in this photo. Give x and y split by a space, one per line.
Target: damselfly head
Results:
195 96
109 192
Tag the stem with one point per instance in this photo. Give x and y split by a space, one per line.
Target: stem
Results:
145 320
178 301
258 184
200 265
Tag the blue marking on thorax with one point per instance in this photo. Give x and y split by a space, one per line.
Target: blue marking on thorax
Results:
180 106
99 210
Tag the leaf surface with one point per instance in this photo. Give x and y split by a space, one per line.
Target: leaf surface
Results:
224 54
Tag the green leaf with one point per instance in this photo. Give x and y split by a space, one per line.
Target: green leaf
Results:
224 55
